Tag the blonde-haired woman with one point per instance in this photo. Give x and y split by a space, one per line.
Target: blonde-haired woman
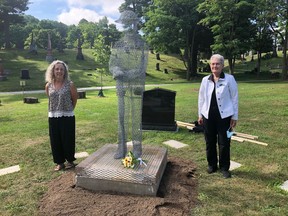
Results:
62 95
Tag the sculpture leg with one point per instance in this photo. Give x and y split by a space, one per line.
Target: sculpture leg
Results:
136 107
122 147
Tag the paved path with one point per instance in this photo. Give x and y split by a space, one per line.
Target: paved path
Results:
79 89
42 91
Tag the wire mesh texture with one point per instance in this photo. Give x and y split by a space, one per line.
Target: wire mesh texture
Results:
128 63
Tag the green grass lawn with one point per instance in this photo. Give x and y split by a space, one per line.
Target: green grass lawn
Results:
253 189
263 111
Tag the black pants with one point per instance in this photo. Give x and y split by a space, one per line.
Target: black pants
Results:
62 139
215 131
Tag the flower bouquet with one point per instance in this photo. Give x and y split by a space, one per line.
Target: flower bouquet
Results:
130 161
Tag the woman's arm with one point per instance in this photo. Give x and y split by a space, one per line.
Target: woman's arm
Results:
74 94
47 89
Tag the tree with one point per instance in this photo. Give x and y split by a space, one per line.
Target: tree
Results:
72 37
185 35
277 18
230 23
139 7
102 55
10 11
262 42
89 32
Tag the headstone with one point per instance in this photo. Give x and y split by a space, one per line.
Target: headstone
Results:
284 186
158 66
2 74
175 144
81 94
33 46
158 56
9 170
49 57
79 48
25 74
159 110
30 100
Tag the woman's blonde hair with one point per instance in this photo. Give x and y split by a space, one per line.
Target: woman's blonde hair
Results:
49 75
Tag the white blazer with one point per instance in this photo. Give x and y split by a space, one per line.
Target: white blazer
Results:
226 96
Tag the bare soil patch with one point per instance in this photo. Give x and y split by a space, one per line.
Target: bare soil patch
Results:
177 195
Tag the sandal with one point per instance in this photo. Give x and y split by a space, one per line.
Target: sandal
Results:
59 167
70 165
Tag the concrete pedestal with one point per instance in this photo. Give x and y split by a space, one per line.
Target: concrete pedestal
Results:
101 172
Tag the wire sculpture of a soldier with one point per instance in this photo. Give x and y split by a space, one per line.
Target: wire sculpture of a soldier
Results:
128 62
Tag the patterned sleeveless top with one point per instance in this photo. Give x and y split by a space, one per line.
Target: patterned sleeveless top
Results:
60 102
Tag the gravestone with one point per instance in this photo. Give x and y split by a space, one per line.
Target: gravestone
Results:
158 66
81 94
49 57
25 74
159 110
80 55
158 56
2 74
30 100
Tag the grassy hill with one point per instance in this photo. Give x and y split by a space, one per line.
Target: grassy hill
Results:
84 73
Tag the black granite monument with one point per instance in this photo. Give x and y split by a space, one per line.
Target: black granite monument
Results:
159 110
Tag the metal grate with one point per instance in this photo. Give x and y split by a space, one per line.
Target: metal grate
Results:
105 167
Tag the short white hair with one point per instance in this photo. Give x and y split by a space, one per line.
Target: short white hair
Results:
49 75
219 57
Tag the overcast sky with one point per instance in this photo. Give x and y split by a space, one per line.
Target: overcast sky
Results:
72 11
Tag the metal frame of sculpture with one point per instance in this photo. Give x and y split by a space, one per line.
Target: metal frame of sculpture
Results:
128 62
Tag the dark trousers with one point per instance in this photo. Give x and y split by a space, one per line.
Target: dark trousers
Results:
215 131
62 139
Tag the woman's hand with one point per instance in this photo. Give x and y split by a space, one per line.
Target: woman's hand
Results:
200 121
233 123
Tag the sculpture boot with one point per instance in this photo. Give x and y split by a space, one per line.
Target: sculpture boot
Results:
137 149
121 151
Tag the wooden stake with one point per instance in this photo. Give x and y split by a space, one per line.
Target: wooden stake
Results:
248 136
239 139
256 142
184 124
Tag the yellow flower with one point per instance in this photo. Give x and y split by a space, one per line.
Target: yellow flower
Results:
129 161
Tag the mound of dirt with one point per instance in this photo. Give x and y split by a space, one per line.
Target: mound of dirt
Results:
176 195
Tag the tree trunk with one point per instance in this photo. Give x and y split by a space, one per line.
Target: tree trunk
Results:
258 63
274 55
231 65
192 55
7 35
284 68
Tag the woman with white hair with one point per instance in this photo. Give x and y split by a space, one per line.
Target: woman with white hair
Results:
218 113
63 96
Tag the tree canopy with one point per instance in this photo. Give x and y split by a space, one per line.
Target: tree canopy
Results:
189 28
